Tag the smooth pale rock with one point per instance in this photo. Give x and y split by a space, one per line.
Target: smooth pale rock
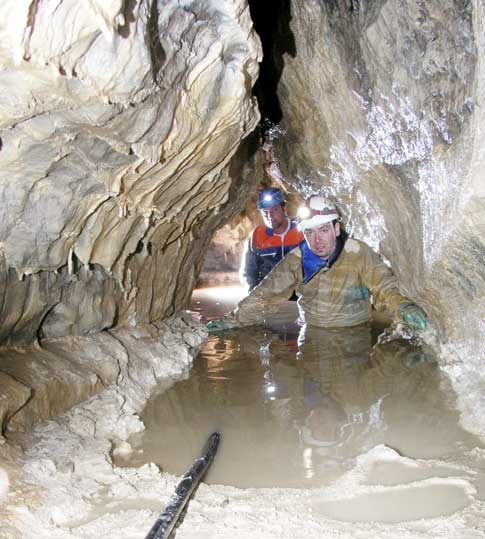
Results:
4 484
378 123
41 382
13 397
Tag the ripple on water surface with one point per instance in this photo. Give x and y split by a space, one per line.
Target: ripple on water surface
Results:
295 409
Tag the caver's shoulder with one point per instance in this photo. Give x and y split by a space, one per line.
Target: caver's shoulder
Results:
295 253
353 246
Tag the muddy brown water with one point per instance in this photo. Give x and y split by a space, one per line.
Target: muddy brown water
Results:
295 408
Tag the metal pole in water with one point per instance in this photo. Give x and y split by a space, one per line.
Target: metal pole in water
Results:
163 527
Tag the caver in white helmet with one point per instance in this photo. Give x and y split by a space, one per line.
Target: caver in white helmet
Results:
316 212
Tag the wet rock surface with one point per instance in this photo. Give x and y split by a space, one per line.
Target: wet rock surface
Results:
39 382
117 133
57 466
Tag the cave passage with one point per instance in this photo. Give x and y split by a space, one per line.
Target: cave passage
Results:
271 21
133 133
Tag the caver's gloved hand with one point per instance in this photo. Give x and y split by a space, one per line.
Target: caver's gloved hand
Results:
413 315
221 324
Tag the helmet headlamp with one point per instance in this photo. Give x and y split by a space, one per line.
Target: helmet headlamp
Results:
316 212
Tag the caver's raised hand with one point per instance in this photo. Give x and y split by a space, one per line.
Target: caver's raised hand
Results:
413 315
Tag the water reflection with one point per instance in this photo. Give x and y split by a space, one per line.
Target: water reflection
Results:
296 407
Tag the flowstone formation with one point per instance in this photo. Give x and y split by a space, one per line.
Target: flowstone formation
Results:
381 106
120 148
119 120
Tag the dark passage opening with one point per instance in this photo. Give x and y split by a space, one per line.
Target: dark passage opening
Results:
271 20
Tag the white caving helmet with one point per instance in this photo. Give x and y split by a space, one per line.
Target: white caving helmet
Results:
316 212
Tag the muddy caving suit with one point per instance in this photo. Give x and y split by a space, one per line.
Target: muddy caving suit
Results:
337 294
263 249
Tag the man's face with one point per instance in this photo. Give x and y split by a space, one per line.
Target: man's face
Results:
274 217
321 239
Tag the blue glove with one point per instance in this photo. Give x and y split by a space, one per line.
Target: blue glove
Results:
220 324
413 315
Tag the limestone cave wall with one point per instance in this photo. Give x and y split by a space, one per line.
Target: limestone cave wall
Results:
121 125
381 110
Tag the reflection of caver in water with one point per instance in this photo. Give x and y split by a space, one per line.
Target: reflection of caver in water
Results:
354 390
326 426
335 278
352 346
333 362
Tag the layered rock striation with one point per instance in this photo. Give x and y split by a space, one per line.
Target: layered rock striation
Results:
118 122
